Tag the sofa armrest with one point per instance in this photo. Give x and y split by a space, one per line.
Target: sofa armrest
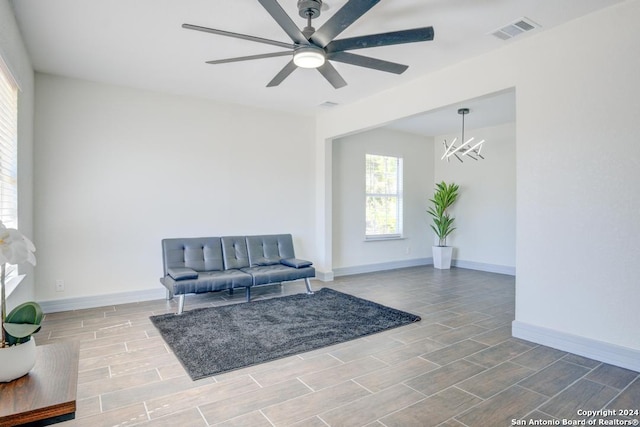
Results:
182 273
295 262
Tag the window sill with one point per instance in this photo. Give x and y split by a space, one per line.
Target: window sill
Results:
12 284
383 238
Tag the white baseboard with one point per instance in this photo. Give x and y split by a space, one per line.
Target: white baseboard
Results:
392 265
489 268
593 349
370 268
79 303
324 276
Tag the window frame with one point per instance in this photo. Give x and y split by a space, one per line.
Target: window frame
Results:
391 193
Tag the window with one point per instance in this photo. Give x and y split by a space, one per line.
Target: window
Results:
383 197
8 151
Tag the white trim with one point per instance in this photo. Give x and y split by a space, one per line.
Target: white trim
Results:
324 276
4 65
489 268
12 284
613 354
383 237
392 265
54 306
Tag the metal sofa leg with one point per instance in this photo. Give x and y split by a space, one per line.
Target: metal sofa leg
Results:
248 293
169 294
308 283
181 304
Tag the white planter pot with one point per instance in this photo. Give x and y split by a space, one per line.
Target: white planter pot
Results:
17 360
442 257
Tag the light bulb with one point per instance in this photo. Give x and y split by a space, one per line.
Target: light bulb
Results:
309 57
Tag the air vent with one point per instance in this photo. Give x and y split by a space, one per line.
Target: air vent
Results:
515 28
328 104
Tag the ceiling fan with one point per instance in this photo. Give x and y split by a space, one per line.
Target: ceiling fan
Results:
314 49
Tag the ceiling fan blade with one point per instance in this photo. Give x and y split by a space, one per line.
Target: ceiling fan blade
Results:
277 12
383 39
368 62
332 76
238 36
248 58
283 74
340 20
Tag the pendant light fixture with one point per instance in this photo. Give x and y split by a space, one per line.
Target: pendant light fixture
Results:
467 148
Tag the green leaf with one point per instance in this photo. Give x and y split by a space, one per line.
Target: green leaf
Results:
28 312
23 321
21 330
444 196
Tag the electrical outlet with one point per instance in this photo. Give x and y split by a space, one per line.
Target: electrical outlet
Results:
59 285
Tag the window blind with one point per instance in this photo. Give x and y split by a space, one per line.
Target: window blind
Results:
8 151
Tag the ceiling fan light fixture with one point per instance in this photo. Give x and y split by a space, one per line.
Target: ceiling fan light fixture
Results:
309 57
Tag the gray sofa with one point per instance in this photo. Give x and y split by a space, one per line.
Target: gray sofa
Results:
194 265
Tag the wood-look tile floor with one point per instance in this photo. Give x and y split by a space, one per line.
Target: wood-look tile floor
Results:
458 366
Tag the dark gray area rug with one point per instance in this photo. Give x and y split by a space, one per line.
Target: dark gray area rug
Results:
213 340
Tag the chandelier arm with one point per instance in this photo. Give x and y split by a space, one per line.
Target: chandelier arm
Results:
447 149
460 147
473 148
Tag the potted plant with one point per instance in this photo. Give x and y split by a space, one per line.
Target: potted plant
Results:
444 196
17 349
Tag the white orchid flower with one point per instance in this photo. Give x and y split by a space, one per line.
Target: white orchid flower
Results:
15 248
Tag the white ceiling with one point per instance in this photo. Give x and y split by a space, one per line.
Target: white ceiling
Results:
140 43
490 110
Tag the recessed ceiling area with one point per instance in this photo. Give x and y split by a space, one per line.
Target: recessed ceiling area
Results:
141 44
490 110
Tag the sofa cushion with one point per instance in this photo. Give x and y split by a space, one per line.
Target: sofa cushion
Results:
269 249
276 273
196 253
295 262
209 281
182 273
203 256
234 252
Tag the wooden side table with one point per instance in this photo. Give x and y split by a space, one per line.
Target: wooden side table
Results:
47 394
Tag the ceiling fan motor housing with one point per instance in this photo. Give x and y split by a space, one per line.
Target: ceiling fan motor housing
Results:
309 8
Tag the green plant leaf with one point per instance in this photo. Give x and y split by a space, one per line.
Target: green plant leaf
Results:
21 330
28 312
444 196
23 321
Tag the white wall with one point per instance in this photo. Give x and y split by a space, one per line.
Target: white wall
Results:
351 253
485 212
577 245
15 54
578 167
119 169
